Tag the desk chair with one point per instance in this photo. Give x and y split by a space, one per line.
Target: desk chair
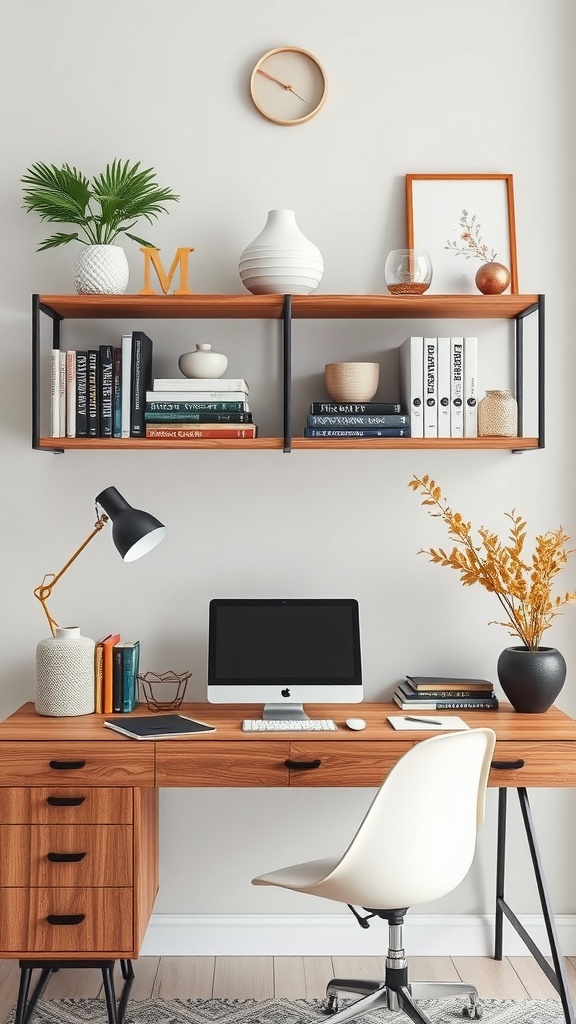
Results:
415 844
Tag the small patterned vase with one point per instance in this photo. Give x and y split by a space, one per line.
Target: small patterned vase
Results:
65 674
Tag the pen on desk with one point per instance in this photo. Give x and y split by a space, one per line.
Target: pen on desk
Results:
424 721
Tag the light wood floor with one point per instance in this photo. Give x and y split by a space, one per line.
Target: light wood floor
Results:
290 977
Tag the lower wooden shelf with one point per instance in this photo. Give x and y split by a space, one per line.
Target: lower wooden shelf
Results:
298 443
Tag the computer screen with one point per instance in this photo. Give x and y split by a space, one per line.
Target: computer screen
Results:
284 651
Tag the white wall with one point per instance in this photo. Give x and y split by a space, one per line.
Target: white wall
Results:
419 87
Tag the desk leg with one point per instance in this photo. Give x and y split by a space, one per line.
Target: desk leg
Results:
557 975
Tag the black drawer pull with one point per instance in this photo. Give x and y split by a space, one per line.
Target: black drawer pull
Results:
64 765
65 918
302 766
507 765
65 801
65 858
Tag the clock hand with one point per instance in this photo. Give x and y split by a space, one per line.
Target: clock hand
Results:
289 88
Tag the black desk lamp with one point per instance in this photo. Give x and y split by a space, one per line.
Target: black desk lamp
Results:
134 533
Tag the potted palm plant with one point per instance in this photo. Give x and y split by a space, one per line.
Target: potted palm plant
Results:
102 208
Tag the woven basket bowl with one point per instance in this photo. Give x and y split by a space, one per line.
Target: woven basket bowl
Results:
351 382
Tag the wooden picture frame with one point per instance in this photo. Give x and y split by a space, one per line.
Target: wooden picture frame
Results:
440 208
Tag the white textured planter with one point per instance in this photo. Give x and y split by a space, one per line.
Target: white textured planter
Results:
281 259
101 270
65 674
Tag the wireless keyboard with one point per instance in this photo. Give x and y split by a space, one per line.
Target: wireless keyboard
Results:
273 725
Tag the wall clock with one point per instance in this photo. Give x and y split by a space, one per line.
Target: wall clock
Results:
288 85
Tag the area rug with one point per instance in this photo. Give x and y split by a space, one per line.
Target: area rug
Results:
283 1011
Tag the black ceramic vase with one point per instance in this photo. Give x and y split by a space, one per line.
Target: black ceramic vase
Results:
531 680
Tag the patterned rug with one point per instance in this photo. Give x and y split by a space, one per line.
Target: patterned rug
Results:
283 1011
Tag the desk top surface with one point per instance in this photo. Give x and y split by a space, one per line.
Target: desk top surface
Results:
26 725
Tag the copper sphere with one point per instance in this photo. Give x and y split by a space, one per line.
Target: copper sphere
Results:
492 278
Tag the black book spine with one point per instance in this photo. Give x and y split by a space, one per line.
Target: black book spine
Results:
355 408
93 417
81 394
106 382
141 381
197 417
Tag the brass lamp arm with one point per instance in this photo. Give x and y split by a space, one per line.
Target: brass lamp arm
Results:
44 591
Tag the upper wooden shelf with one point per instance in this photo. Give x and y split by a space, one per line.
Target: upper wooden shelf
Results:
313 307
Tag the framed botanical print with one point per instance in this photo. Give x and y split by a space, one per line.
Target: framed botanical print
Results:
463 221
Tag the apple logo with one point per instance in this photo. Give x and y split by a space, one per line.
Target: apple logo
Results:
285 693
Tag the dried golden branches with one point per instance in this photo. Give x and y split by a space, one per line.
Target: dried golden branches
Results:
523 587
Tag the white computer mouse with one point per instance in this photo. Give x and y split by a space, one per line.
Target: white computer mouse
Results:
356 723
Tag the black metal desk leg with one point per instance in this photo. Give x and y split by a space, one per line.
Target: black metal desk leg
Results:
500 869
560 983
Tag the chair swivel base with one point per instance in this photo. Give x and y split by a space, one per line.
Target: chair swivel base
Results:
377 995
27 1001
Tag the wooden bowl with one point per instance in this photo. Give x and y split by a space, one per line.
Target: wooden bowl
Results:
351 382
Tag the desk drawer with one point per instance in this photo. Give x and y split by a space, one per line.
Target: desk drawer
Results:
343 764
221 764
57 805
100 921
66 855
76 763
545 764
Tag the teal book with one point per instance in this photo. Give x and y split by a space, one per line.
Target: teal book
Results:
130 667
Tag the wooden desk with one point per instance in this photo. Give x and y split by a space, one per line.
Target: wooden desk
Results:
79 810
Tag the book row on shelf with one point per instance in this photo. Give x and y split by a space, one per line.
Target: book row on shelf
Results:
116 666
110 392
439 386
444 693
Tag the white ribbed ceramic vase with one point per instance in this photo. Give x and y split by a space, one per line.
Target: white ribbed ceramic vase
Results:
203 362
101 270
65 674
281 259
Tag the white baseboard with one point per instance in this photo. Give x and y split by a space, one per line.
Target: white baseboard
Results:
340 935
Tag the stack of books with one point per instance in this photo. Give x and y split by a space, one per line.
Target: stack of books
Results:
190 408
445 693
116 667
357 419
439 385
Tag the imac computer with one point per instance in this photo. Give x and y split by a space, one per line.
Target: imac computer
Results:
283 653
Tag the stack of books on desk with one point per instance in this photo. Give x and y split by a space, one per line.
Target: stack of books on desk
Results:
445 693
357 419
190 408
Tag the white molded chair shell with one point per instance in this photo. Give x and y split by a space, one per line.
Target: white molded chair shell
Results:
418 838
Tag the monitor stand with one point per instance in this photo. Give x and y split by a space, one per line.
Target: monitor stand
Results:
284 713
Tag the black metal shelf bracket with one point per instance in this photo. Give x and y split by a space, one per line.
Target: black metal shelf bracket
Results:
37 308
287 370
537 307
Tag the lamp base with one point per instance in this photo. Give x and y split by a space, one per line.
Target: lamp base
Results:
65 674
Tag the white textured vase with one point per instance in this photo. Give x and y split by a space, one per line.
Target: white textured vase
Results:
101 270
281 259
203 362
65 674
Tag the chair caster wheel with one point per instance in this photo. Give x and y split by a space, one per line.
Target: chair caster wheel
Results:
472 1012
331 1005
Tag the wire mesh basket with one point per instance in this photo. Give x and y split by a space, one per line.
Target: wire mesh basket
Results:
164 691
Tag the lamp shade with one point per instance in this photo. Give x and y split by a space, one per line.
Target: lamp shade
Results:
134 532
